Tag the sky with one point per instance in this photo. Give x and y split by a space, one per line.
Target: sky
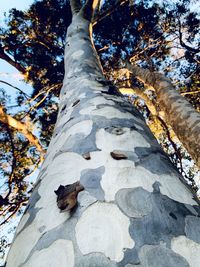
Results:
19 4
7 72
11 75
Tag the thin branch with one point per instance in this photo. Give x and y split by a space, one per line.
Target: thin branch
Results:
8 59
75 6
21 127
191 49
26 95
88 9
190 93
108 12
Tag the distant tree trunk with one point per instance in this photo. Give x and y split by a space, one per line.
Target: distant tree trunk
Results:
134 210
179 113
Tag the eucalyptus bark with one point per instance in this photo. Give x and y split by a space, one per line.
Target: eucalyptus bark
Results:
179 113
134 210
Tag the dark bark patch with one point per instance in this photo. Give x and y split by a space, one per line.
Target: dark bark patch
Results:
67 196
173 215
63 108
192 228
91 180
118 156
127 200
115 130
87 156
76 102
156 225
69 120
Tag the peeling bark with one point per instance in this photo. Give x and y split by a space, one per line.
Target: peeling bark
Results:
133 211
179 113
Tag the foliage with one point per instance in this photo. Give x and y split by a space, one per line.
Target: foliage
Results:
161 37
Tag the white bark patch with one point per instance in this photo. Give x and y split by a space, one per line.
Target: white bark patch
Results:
60 253
77 54
83 95
22 222
83 127
104 228
126 141
77 70
64 117
123 174
107 112
18 256
100 100
94 85
188 249
50 210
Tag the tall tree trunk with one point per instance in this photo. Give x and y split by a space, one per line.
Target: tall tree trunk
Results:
179 113
134 210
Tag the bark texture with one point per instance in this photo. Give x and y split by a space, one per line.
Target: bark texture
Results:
134 210
179 113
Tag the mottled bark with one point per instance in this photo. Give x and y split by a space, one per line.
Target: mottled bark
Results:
133 211
179 113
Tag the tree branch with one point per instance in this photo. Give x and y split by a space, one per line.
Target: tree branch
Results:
75 6
11 61
88 9
21 127
142 95
189 48
108 12
27 96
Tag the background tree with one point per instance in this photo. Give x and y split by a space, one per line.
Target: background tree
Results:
32 41
153 211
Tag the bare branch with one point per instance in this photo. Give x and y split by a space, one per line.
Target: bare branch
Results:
108 12
21 127
8 59
189 48
88 9
75 6
27 96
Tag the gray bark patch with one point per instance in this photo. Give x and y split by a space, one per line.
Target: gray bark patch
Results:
165 221
30 209
94 260
80 143
159 256
192 228
159 164
91 179
134 202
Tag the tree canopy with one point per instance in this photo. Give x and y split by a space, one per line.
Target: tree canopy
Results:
161 37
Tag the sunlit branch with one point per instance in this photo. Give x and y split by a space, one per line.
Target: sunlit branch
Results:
21 127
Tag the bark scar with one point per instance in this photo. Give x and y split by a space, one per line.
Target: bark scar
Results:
67 196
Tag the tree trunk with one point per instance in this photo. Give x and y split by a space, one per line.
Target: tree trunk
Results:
179 113
134 210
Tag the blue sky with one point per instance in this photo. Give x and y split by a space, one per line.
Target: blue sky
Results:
19 4
7 72
11 75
